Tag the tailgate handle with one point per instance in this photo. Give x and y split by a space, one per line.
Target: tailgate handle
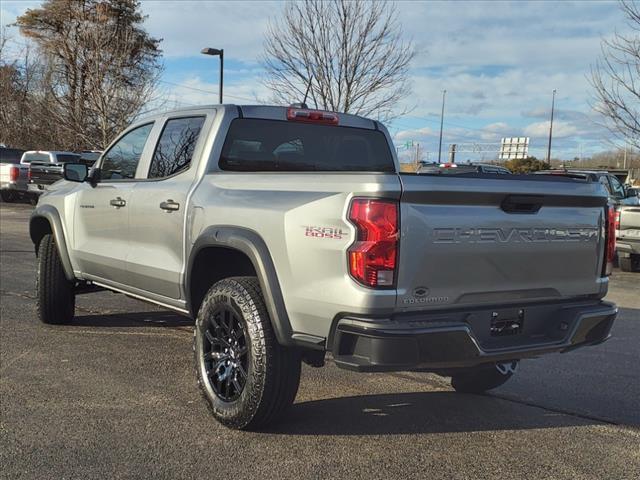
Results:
522 203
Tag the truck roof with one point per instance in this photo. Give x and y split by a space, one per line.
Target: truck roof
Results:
267 112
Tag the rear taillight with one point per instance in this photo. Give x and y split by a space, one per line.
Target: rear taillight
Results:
312 116
29 174
373 256
609 240
14 173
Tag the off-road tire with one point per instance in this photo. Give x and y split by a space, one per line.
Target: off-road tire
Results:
630 264
479 379
273 371
56 296
7 196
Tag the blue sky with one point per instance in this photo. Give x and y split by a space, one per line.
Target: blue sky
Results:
498 61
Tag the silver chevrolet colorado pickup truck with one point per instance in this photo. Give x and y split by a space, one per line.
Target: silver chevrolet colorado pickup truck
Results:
287 233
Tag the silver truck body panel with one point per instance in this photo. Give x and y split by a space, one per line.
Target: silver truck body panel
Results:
460 245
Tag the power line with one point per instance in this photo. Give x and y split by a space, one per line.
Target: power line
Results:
189 87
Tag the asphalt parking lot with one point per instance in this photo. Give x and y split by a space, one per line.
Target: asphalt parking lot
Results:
114 396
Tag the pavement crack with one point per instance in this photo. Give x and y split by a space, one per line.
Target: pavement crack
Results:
17 294
562 411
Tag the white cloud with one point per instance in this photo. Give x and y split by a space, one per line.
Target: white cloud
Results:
560 130
419 133
187 26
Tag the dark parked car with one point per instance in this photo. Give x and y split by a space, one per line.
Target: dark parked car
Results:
618 193
462 168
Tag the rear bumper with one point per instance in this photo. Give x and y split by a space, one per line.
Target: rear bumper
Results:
438 342
14 187
625 245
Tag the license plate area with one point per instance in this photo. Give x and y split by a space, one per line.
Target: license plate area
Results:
506 322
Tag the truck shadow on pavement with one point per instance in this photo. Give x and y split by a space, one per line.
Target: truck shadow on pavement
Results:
132 319
423 412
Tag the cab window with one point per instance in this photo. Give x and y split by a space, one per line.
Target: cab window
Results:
121 160
175 147
616 187
604 181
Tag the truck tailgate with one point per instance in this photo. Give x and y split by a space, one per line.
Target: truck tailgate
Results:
495 240
45 173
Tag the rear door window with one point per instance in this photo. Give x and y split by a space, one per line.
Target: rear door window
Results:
272 145
175 147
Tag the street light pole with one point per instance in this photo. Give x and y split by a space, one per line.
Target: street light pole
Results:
553 102
444 92
220 53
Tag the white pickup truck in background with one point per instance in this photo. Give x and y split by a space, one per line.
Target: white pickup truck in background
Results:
13 175
628 238
45 168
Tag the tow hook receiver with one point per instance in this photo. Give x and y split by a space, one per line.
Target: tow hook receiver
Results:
506 322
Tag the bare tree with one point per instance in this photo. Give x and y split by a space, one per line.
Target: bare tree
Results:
100 66
351 52
22 123
616 79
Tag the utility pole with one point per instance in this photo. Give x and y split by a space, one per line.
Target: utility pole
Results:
444 92
553 103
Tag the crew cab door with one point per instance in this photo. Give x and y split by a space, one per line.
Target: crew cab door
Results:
101 223
159 207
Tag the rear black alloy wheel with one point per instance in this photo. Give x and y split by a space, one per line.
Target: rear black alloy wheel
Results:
225 354
247 378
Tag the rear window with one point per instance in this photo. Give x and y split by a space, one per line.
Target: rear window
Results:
271 145
65 158
35 157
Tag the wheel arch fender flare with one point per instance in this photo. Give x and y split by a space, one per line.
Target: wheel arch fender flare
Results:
254 247
45 215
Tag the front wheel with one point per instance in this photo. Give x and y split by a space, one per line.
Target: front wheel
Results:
247 378
483 377
56 295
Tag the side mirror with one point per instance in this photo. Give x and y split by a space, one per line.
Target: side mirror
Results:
633 192
75 172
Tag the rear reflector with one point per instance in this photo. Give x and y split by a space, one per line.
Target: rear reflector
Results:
373 256
610 240
312 116
14 173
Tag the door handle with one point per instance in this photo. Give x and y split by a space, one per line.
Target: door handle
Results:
170 206
117 202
